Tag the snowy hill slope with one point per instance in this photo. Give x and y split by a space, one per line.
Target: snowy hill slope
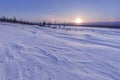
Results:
37 53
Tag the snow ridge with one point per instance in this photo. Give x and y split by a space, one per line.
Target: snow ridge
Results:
37 53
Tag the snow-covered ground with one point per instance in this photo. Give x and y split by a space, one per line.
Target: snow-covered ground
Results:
77 53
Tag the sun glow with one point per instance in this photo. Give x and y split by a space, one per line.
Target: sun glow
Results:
78 20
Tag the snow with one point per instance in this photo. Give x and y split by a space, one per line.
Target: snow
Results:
77 53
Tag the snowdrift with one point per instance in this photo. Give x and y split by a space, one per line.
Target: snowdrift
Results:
77 53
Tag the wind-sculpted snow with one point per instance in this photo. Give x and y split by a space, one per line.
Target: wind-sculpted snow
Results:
75 53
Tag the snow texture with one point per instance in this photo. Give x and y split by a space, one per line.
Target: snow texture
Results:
75 53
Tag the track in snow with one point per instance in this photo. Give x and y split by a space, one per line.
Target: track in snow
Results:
37 53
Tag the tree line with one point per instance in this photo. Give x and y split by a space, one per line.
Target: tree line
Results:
42 24
15 20
56 25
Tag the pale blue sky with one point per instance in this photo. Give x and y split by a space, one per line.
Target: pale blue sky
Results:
62 10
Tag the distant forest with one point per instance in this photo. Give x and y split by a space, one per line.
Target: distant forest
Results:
42 24
48 24
14 20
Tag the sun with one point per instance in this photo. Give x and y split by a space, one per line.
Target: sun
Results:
78 20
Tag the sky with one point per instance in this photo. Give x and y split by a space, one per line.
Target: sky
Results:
62 10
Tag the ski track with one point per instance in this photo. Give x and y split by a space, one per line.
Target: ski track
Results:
37 53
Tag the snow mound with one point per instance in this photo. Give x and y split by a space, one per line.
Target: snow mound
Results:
38 53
